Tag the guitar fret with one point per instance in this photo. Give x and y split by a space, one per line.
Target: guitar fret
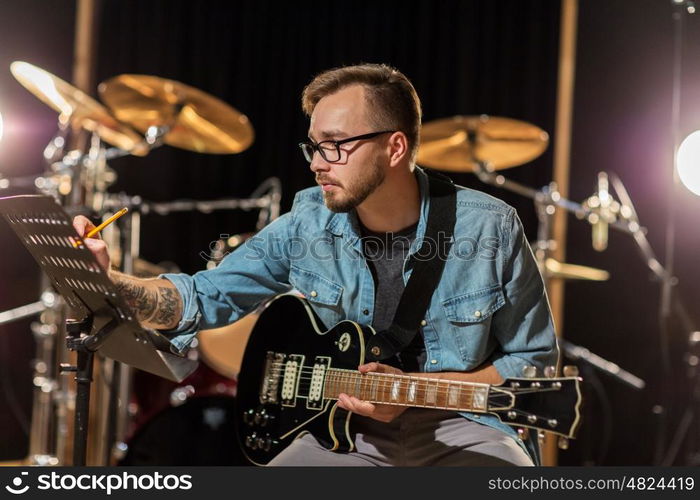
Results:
375 387
431 393
411 393
453 395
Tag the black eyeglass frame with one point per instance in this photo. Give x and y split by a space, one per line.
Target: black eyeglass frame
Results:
316 146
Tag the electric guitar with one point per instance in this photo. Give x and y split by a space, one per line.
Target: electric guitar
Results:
293 371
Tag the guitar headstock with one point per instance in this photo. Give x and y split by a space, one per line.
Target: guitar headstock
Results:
549 404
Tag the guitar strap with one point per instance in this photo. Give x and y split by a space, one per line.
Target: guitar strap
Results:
429 264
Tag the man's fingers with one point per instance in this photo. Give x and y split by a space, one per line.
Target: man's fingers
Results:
351 403
371 367
99 250
378 368
82 225
95 245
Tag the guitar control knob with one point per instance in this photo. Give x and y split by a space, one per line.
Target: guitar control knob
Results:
552 422
532 419
563 443
550 371
251 441
264 444
529 371
258 416
570 371
248 416
512 415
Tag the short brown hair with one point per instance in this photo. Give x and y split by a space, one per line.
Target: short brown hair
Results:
392 97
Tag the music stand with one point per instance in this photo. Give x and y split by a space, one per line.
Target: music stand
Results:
103 321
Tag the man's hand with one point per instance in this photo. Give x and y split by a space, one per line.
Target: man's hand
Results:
383 413
98 247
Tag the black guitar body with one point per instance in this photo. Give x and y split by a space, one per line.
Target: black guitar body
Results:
269 417
293 370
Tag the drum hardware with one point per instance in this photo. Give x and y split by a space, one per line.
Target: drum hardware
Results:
77 108
184 117
47 389
578 353
460 143
80 179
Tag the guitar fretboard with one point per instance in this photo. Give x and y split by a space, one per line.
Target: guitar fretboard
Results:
405 390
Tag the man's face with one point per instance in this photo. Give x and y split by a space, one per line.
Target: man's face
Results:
361 168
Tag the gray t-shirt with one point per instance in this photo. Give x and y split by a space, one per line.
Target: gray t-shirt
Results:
385 254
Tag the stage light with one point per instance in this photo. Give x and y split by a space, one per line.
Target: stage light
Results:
688 162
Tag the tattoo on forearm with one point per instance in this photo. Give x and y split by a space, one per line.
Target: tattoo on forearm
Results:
159 306
168 310
142 300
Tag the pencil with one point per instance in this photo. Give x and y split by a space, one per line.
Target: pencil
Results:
107 223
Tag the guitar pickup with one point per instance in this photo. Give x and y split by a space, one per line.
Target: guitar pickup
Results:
290 379
314 401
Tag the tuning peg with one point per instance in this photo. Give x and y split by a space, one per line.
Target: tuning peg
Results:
550 371
563 443
523 433
570 371
529 371
540 438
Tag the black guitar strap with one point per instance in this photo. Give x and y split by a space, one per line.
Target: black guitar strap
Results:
430 262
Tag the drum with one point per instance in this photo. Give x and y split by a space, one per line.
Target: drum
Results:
222 348
190 423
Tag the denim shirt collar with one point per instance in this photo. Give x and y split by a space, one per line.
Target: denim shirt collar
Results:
347 224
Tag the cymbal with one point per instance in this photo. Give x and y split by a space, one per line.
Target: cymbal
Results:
76 106
197 121
555 269
457 143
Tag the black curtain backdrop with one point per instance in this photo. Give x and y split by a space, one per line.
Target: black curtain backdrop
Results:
464 57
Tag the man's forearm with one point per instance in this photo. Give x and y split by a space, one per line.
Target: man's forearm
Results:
156 302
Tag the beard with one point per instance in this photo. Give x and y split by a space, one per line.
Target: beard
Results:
355 191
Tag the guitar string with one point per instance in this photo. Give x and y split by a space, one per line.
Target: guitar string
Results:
385 384
338 374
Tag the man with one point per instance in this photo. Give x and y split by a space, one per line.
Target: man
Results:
488 317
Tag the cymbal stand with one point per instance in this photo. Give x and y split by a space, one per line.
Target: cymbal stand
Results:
120 376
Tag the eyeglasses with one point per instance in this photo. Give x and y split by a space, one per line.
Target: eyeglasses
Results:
330 150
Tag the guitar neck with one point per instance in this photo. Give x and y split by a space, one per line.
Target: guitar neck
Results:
405 390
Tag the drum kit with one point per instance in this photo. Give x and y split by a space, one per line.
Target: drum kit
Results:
142 112
137 114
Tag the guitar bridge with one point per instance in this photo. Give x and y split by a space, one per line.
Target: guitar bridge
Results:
270 385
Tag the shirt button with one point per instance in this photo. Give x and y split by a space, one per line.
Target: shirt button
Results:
365 312
477 314
313 293
423 323
433 361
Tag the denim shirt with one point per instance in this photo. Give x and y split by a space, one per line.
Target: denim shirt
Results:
490 305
